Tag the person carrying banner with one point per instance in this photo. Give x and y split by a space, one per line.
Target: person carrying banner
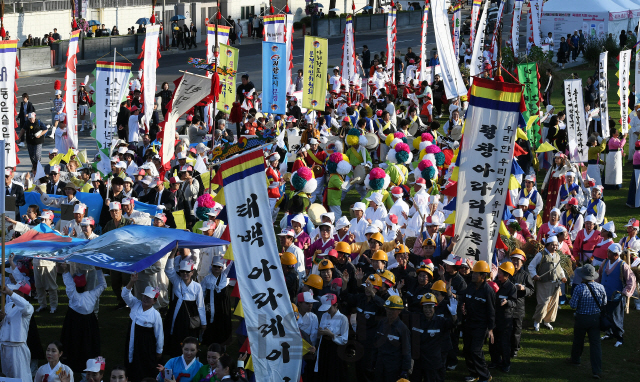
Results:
546 271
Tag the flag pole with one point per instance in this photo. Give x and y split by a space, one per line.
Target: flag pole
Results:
3 207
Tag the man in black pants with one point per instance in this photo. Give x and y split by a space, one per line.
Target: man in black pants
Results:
477 304
507 299
525 288
438 91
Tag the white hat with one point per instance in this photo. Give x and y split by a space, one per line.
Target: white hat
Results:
95 177
114 206
87 221
201 148
181 155
342 222
554 209
433 199
46 214
378 224
615 248
523 202
53 151
559 229
313 141
590 218
147 180
375 197
7 172
549 108
207 225
218 261
127 201
54 168
186 265
359 206
287 232
121 165
115 159
94 366
327 300
570 173
330 215
122 150
307 297
299 218
79 208
128 180
551 239
151 292
274 157
451 259
517 213
371 229
130 152
530 178
610 227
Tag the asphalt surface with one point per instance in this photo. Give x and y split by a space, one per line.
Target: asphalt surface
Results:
40 87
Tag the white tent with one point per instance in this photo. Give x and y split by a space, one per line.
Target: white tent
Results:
634 12
596 18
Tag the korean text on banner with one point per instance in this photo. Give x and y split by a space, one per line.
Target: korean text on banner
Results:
456 29
288 36
515 26
314 88
229 64
477 54
277 353
486 155
451 76
274 28
223 38
623 92
424 51
528 76
534 21
348 53
8 90
274 72
475 11
494 39
191 90
603 86
391 43
637 70
149 65
112 84
71 90
576 124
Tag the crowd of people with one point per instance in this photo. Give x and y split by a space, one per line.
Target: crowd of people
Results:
358 202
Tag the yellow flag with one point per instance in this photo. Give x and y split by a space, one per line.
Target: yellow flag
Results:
220 197
521 135
191 161
249 364
238 312
68 155
451 219
306 347
228 255
181 222
56 159
316 54
543 148
513 183
454 174
82 156
503 229
206 179
531 121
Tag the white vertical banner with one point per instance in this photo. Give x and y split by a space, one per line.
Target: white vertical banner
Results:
348 53
276 345
637 70
451 76
475 11
191 90
112 80
477 55
391 44
288 33
223 38
494 39
71 90
515 26
4 182
486 155
576 123
8 91
534 21
457 19
424 53
274 28
149 65
603 86
623 92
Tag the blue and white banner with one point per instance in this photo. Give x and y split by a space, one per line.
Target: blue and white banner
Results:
274 77
276 345
93 202
128 249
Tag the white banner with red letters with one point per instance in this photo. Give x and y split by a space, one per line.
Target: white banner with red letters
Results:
150 59
348 53
71 90
422 74
477 54
603 86
8 91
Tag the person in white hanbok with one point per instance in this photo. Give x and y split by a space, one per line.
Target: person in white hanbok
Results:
15 356
54 370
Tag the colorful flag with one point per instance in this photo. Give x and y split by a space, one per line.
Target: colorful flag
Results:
315 72
276 353
151 55
112 84
485 158
288 36
229 64
575 119
535 13
456 18
475 10
348 53
424 52
528 75
223 38
274 28
8 91
274 71
71 90
451 76
391 43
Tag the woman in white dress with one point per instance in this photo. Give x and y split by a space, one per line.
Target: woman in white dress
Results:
613 167
54 370
62 140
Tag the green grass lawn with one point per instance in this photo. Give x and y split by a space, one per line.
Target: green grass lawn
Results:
542 355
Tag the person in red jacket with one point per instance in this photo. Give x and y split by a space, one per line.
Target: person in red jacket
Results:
586 240
274 180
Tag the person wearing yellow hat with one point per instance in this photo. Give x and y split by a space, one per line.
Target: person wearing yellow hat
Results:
525 288
288 261
506 301
449 273
392 353
403 269
344 265
434 338
312 283
422 285
478 303
327 272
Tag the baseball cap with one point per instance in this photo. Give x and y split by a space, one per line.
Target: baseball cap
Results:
306 297
114 206
94 365
207 225
151 292
287 232
327 300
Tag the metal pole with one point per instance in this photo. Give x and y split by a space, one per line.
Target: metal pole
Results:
3 207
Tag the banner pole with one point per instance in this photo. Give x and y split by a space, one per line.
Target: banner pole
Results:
3 207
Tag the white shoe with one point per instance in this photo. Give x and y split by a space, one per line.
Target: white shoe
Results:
536 326
606 336
548 325
52 311
618 344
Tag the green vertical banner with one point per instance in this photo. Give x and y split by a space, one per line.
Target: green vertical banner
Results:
529 77
227 71
314 87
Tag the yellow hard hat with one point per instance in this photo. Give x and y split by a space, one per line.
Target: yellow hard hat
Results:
295 308
377 237
288 258
481 266
507 266
325 264
314 281
401 248
428 242
424 268
394 302
428 298
375 280
439 286
380 255
403 380
520 252
387 275
343 247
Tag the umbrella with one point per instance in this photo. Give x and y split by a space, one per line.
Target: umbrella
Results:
319 5
366 8
93 22
143 20
178 17
334 10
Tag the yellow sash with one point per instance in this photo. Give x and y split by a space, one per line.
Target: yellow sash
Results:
315 159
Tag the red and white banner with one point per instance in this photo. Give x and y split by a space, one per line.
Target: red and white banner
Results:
151 56
457 20
288 32
391 44
494 39
71 90
223 38
637 71
8 90
348 53
477 54
475 11
424 53
535 16
515 26
451 76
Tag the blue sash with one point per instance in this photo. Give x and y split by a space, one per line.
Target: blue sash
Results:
592 207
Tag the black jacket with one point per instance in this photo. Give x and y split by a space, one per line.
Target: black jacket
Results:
413 296
434 340
392 346
522 277
366 59
167 199
241 88
504 312
480 306
22 116
457 283
59 190
17 191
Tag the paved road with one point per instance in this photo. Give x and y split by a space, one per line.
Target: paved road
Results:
40 88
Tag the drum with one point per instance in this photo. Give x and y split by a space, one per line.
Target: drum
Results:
318 171
413 129
372 141
314 212
359 173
